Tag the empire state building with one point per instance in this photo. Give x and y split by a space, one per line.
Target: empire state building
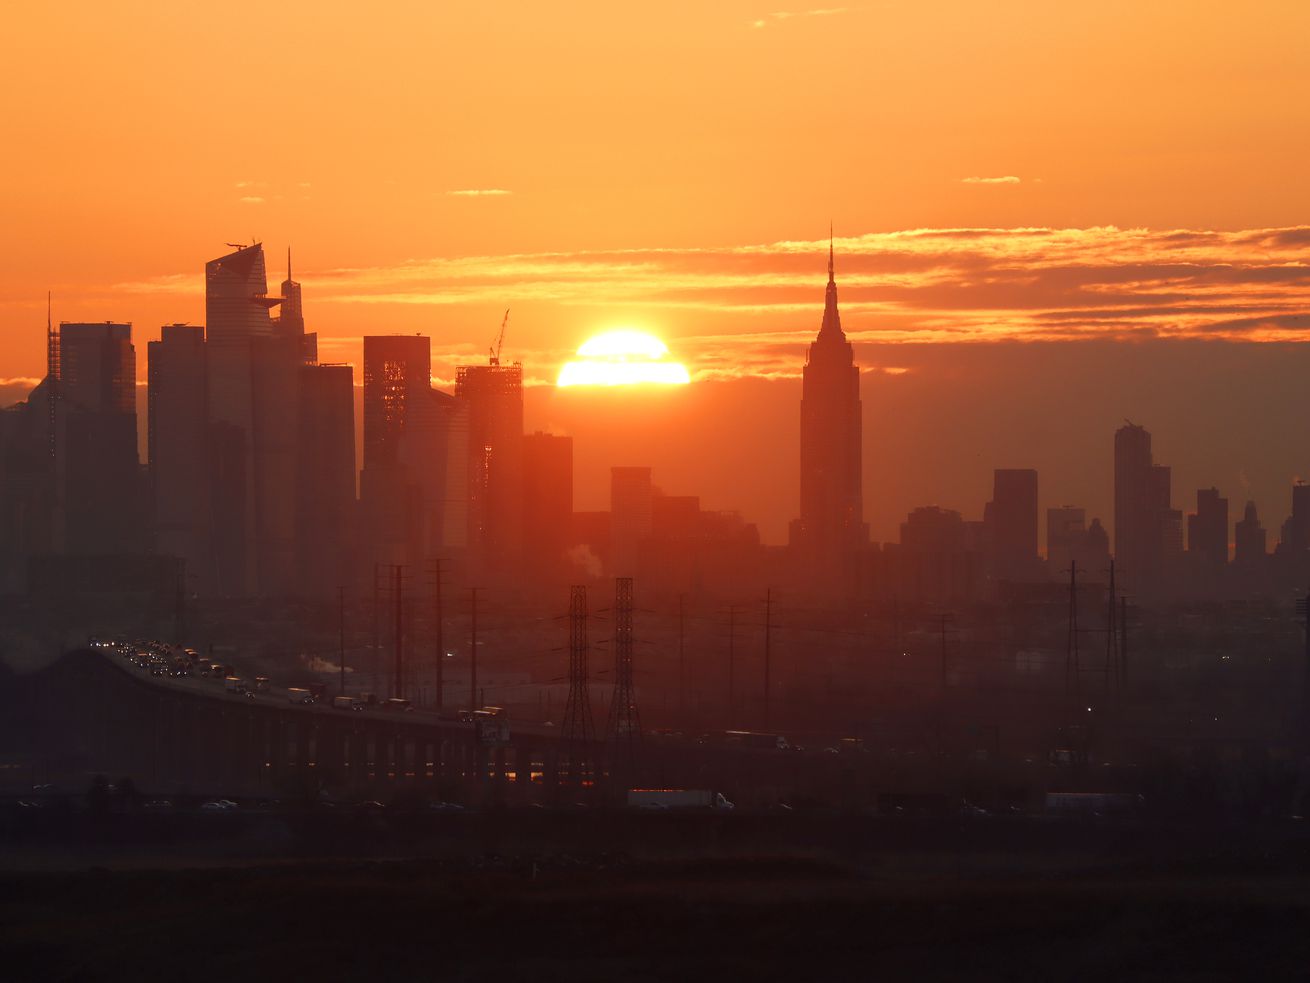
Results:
831 527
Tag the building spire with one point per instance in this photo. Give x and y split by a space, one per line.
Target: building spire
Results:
288 263
831 327
830 276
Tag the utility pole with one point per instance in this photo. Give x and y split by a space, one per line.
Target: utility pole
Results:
439 619
1123 644
473 653
732 671
398 684
768 651
682 661
1111 642
944 619
1071 666
341 636
377 625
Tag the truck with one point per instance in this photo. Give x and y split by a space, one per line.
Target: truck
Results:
235 684
347 703
677 798
299 696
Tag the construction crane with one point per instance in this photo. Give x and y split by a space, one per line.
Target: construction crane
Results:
494 353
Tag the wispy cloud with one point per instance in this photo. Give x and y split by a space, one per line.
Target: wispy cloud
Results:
252 200
781 15
1006 179
480 193
751 309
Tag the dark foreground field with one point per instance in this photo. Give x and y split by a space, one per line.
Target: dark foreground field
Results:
892 903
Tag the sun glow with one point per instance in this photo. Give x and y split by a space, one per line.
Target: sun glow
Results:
623 357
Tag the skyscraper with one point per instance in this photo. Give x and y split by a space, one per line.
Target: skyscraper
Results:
325 475
493 395
1207 528
412 485
1013 516
291 318
831 526
1250 540
178 448
547 503
99 464
1066 531
1148 531
630 517
237 318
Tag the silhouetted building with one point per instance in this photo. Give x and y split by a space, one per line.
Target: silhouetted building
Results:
98 466
290 321
1066 530
412 487
547 504
630 518
493 395
939 556
1251 545
831 529
1148 531
178 449
1207 529
325 474
1295 538
30 520
252 409
1012 524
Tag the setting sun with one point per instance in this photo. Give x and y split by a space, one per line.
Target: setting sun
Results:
623 357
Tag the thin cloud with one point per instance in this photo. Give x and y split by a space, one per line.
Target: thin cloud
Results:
479 193
252 200
749 310
1005 179
782 15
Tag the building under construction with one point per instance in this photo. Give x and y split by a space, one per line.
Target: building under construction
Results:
493 394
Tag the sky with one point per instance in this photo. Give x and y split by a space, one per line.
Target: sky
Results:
1077 188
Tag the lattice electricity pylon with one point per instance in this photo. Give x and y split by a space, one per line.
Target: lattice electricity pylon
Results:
579 732
624 730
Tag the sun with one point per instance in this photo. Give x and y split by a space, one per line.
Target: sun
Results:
623 357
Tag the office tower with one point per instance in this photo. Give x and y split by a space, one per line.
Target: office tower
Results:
1250 539
98 464
547 503
831 527
238 325
178 449
412 484
630 518
1132 507
290 321
493 395
1296 531
1066 530
1096 548
325 474
1148 531
30 521
1013 523
1207 529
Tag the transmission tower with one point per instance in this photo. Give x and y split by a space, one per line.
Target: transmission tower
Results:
579 731
624 721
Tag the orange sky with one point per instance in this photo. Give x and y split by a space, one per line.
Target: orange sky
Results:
671 166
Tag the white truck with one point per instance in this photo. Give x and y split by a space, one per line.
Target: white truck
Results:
676 798
299 696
